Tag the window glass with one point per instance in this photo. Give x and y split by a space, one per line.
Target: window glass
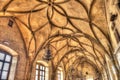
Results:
40 67
6 66
4 75
8 58
36 78
59 75
43 73
43 68
36 72
2 56
37 66
42 78
1 64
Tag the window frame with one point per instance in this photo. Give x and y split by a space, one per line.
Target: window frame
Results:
41 69
3 61
59 74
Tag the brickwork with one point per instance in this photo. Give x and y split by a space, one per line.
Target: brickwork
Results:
10 36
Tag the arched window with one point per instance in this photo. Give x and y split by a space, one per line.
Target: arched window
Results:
5 63
59 74
41 71
8 63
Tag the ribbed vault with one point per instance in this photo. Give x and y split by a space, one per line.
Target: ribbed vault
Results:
75 30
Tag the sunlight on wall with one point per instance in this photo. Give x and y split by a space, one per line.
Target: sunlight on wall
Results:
89 78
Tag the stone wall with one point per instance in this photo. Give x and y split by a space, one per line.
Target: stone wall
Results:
113 19
10 37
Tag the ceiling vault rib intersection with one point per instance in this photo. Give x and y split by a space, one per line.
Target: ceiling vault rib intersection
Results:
58 24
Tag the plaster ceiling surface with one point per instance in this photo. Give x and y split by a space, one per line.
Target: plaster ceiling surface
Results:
72 28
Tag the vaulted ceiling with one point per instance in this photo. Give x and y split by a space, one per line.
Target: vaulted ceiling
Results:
75 30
